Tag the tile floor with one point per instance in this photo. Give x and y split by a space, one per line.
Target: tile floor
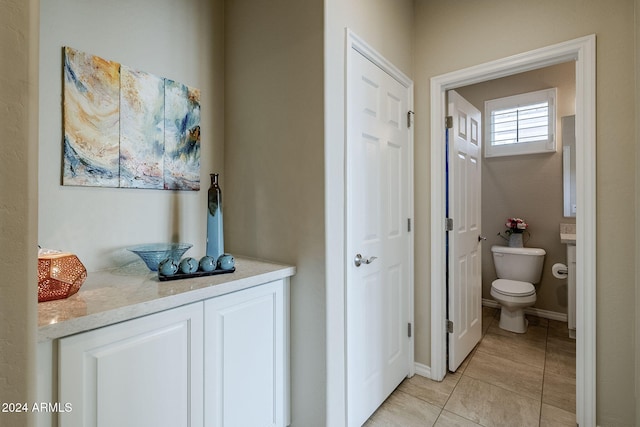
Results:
508 380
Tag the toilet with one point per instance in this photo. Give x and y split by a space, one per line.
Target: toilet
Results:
518 269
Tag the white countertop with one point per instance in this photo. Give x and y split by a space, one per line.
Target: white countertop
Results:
113 296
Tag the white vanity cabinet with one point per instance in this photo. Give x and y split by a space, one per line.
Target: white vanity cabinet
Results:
142 372
246 369
219 360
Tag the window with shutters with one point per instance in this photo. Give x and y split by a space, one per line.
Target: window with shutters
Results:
521 124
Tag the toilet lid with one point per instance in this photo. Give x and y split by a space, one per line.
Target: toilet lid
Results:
513 288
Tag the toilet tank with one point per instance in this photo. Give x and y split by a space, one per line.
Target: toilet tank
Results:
523 264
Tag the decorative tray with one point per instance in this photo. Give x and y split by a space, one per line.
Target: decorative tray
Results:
179 275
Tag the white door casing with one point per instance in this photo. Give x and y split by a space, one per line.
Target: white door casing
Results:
379 208
583 52
465 278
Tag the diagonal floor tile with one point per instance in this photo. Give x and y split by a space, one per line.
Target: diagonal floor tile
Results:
558 329
490 405
434 392
556 417
500 383
518 350
449 419
489 314
403 410
559 391
520 378
567 344
560 360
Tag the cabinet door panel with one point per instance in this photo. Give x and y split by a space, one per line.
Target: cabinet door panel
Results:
244 358
143 372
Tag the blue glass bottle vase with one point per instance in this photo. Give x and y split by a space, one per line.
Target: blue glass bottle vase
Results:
215 236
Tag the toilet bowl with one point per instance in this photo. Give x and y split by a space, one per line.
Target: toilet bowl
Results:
513 297
518 269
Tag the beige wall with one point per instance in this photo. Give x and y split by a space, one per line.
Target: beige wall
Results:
637 222
185 44
273 187
528 187
500 28
18 204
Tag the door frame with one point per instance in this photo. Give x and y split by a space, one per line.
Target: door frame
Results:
355 43
583 52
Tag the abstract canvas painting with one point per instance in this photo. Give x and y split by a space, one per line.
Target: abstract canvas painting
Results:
141 129
91 120
182 136
128 128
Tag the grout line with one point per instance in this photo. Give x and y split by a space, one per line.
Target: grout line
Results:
461 416
451 394
544 370
472 355
503 388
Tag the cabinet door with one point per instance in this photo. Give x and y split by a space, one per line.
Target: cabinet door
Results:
143 372
245 363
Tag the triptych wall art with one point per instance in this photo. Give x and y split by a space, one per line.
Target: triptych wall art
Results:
128 128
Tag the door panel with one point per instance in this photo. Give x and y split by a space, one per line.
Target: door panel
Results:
378 206
465 279
245 363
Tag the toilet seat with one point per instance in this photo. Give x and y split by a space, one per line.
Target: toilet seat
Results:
513 288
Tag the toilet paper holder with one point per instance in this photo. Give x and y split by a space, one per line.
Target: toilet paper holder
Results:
560 271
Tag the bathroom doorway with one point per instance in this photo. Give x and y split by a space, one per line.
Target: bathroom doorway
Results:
528 186
582 53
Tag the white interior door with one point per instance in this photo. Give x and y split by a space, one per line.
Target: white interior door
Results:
379 178
464 262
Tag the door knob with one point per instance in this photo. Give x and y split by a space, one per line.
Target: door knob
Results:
359 260
481 238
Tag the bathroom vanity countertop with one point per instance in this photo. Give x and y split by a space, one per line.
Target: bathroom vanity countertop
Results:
113 296
568 234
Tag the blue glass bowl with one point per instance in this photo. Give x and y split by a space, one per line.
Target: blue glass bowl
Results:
153 253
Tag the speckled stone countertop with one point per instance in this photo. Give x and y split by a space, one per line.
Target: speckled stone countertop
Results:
117 295
568 234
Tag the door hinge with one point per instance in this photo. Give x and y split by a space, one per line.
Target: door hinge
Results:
448 224
448 122
409 329
409 121
449 327
409 225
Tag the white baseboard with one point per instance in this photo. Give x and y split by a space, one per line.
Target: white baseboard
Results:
545 314
422 370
